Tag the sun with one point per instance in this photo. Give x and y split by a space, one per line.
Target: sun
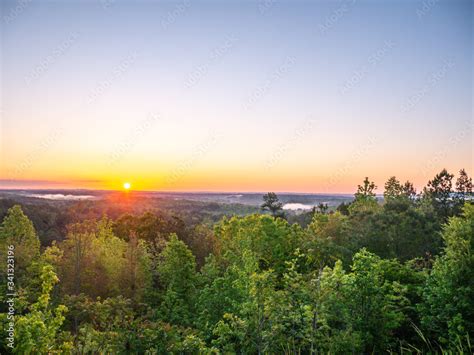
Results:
127 186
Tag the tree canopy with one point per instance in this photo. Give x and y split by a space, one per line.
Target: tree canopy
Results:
391 275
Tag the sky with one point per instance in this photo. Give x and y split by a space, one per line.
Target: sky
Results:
267 95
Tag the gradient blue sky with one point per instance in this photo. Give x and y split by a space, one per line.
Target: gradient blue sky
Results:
307 96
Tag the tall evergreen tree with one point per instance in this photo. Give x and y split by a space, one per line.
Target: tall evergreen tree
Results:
439 193
272 203
364 198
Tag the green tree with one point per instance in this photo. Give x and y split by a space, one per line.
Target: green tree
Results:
343 208
463 189
364 198
464 184
272 203
366 191
78 255
399 230
394 190
375 304
38 331
110 327
322 208
328 240
248 329
177 273
272 240
136 270
17 230
290 311
439 193
333 330
218 294
98 263
409 190
108 260
447 312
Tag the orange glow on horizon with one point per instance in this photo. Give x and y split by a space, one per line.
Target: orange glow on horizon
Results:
166 178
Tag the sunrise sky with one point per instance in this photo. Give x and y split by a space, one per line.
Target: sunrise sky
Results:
234 96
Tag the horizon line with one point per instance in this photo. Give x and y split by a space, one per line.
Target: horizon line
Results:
177 192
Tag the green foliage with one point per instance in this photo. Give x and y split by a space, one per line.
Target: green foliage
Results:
38 330
343 208
375 305
400 230
332 322
110 328
447 312
463 190
177 273
272 240
322 208
365 191
359 280
364 198
394 190
136 270
96 262
463 185
328 239
18 230
290 310
272 204
439 193
219 294
248 327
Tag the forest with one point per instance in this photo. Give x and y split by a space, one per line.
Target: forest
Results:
391 275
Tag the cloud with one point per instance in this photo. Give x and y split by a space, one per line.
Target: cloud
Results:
37 183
